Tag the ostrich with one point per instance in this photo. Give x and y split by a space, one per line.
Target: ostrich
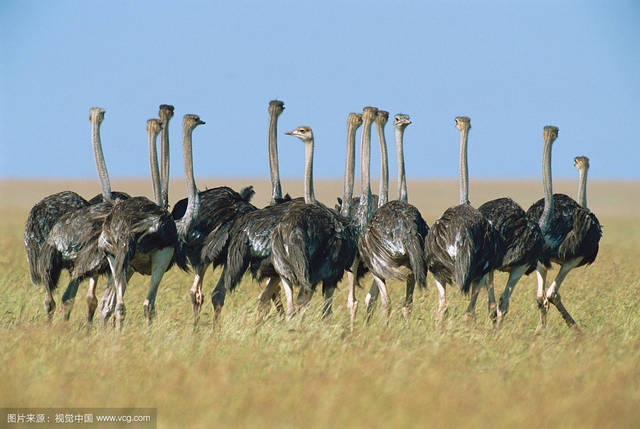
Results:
391 245
522 241
571 232
72 242
311 243
204 219
44 215
462 246
250 245
139 235
249 239
159 181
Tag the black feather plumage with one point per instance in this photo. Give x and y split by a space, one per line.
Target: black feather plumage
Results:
462 246
250 242
42 217
520 234
136 227
392 244
574 231
310 244
206 239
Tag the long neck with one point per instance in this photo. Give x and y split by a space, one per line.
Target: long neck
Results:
383 188
582 187
192 191
101 166
547 213
164 160
276 189
365 158
155 172
402 179
349 171
309 195
464 168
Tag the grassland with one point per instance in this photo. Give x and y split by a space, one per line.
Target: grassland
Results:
310 373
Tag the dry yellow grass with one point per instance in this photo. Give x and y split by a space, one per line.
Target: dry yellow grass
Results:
315 374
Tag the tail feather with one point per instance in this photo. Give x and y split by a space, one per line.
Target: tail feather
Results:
180 256
415 252
217 242
33 256
124 254
292 262
462 263
247 193
49 265
238 258
299 257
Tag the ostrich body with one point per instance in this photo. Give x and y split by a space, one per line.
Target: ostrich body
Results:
462 246
392 244
571 232
42 217
139 235
310 243
72 241
522 241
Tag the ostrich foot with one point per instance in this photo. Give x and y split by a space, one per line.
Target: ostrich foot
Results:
353 308
469 317
67 306
197 298
406 312
50 309
493 313
149 311
555 300
119 316
543 306
92 305
441 314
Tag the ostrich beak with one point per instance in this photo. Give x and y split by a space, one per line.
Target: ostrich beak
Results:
201 122
289 133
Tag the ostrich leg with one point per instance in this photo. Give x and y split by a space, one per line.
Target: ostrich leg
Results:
553 296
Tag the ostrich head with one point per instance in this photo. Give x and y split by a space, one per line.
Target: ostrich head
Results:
355 119
96 113
166 112
191 121
276 107
369 113
550 132
401 120
581 162
303 133
463 123
382 117
154 126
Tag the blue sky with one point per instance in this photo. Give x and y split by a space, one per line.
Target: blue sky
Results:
513 67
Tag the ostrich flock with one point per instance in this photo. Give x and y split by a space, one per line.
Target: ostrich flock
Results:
298 243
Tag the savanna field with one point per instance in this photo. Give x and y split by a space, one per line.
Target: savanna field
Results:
314 373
